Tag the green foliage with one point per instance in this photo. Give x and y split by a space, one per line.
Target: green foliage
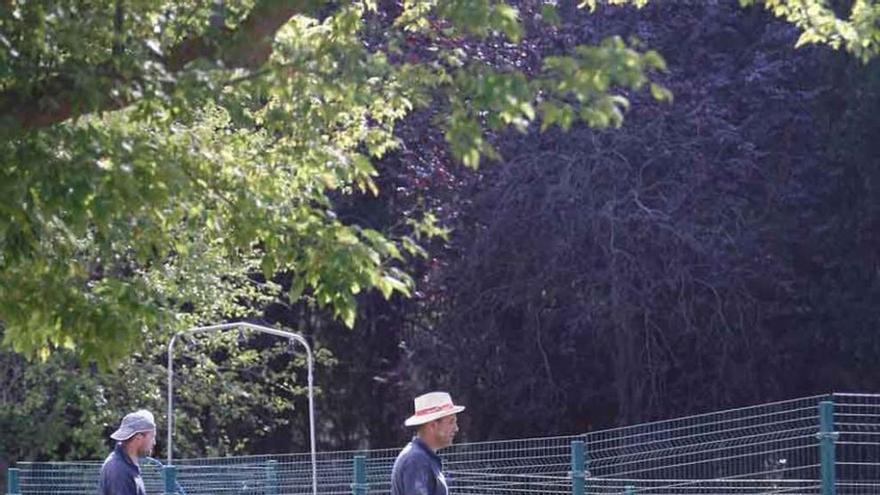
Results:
232 389
161 158
592 4
143 191
70 408
570 89
238 389
858 32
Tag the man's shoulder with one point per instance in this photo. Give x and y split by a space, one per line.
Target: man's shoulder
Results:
412 455
114 464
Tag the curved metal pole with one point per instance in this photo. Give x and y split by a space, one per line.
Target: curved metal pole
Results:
258 328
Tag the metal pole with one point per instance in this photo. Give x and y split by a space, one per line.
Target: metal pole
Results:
577 467
169 476
359 487
311 366
257 328
169 402
271 477
12 482
827 436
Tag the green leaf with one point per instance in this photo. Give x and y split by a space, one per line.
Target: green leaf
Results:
661 93
550 15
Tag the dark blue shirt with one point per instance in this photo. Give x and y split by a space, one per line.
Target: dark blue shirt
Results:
120 476
418 470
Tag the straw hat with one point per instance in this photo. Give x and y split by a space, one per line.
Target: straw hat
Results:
431 406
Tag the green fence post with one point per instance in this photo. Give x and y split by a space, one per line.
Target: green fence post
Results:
827 436
629 490
359 486
169 476
578 461
12 482
271 477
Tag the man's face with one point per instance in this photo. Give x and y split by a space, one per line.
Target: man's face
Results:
146 442
445 429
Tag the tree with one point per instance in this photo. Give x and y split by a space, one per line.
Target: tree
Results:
234 394
828 22
717 253
193 284
157 156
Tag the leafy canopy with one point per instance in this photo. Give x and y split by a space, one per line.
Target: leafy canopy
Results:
858 30
161 160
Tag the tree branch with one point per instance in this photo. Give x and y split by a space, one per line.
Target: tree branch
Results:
248 46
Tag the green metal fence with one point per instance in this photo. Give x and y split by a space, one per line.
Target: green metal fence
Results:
857 421
770 448
822 445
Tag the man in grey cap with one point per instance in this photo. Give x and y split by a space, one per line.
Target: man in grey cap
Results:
136 436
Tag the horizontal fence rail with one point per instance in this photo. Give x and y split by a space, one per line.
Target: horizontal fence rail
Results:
821 445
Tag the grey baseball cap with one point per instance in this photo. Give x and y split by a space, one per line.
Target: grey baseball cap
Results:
137 422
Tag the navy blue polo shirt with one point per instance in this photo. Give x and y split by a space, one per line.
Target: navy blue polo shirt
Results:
418 470
120 476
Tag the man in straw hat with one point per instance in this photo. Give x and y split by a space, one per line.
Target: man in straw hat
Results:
136 436
418 469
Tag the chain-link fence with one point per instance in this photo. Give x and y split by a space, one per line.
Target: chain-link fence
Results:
827 444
